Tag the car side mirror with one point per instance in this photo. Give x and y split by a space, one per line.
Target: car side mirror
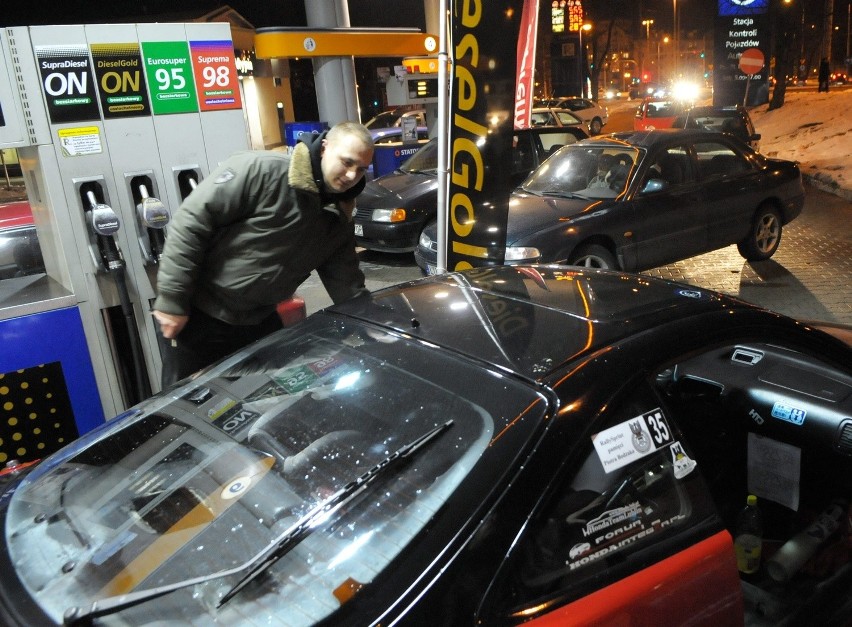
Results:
654 185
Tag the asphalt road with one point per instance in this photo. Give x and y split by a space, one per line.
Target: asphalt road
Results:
809 277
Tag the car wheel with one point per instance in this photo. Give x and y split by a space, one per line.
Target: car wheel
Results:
593 256
595 126
765 235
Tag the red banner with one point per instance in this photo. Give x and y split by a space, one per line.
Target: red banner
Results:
525 82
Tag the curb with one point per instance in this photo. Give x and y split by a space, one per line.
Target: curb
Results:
830 186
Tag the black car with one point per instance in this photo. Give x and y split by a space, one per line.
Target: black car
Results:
393 209
666 195
732 119
482 448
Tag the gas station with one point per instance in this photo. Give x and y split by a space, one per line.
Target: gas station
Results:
114 125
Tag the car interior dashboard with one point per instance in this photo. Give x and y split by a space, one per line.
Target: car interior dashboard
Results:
766 420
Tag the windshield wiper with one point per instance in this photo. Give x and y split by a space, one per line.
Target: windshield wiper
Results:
274 551
560 194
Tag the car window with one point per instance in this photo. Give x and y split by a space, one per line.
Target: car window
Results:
243 453
20 252
718 160
523 153
573 169
671 168
634 491
660 109
553 141
566 118
541 118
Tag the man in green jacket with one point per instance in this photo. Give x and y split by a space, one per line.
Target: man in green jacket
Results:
249 235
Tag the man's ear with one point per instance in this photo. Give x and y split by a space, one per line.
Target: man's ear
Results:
323 144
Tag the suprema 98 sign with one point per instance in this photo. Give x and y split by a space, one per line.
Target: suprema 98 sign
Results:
185 76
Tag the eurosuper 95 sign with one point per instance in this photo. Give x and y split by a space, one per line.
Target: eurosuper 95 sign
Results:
133 79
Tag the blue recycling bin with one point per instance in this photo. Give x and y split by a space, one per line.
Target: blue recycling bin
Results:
293 131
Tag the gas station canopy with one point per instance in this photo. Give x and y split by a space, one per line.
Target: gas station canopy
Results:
279 42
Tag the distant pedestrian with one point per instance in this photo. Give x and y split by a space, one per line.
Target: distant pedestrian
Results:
823 75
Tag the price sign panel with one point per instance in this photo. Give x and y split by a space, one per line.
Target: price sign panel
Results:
170 78
216 79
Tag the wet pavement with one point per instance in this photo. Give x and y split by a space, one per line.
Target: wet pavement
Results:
809 277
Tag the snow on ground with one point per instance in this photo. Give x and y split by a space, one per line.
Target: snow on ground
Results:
814 129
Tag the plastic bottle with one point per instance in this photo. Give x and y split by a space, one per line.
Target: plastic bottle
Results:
748 537
801 547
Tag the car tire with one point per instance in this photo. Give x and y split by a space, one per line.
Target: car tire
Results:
595 126
593 256
764 237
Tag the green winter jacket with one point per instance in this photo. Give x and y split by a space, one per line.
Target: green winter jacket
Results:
250 234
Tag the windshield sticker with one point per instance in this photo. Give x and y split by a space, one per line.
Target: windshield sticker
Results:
612 517
683 463
584 553
788 413
632 440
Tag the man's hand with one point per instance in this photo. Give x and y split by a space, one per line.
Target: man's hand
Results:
170 324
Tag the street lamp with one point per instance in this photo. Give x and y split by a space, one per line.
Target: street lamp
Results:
676 37
582 58
647 25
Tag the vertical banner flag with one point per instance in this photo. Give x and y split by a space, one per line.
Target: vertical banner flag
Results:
525 83
481 121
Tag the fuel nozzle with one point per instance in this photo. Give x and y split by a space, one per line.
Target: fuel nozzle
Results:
104 222
152 212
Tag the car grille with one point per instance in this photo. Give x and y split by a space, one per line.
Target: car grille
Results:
362 214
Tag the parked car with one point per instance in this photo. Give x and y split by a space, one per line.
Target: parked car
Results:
20 253
732 119
387 126
393 209
593 115
495 447
551 116
653 113
645 90
669 195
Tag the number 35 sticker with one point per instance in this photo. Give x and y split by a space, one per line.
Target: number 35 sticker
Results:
632 440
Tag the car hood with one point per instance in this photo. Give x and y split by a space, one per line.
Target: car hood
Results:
530 214
396 188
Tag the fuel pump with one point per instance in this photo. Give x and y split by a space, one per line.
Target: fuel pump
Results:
103 224
152 218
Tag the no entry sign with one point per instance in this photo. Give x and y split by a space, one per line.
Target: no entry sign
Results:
751 61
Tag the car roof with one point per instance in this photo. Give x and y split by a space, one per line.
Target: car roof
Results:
648 139
547 313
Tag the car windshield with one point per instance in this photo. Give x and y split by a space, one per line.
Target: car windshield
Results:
384 120
585 171
424 160
211 473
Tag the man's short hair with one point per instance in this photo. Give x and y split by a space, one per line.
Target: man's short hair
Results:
351 128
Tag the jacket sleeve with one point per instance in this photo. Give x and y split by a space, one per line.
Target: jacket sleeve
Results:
341 274
221 199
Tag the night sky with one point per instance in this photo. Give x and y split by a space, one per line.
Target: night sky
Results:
263 13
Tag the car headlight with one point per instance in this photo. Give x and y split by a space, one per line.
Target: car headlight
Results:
425 241
522 254
388 215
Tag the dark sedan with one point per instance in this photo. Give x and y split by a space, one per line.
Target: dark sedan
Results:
394 209
642 199
512 445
